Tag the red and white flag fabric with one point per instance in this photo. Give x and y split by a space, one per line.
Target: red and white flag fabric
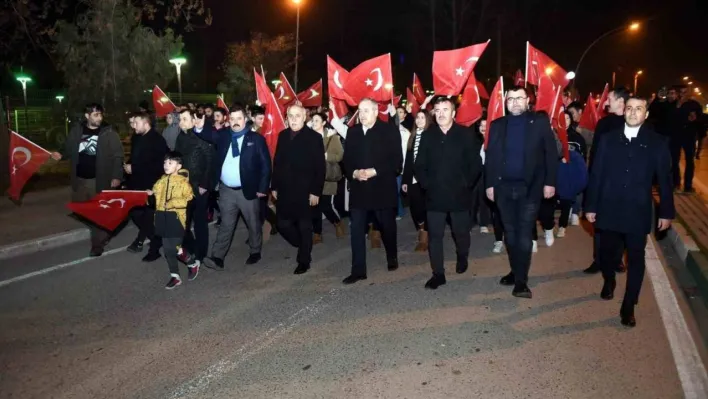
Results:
470 109
557 116
546 95
452 68
221 104
418 90
284 93
336 78
371 79
109 208
383 108
26 158
413 101
539 65
312 97
518 78
163 105
483 94
272 125
340 107
601 113
495 109
354 119
588 120
263 93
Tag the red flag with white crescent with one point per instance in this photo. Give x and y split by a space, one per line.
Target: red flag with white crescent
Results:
418 90
413 101
163 105
495 110
263 92
557 117
538 65
470 109
312 97
221 104
340 107
518 78
26 158
284 93
371 79
272 125
588 119
336 77
601 113
109 208
483 94
452 68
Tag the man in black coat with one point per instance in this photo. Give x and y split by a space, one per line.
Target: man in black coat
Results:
448 166
520 170
372 160
619 200
298 179
145 166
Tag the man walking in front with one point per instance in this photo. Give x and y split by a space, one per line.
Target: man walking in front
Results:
447 167
620 200
95 152
520 170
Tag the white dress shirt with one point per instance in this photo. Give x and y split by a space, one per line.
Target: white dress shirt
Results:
631 132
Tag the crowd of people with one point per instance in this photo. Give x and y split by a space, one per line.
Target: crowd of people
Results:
210 161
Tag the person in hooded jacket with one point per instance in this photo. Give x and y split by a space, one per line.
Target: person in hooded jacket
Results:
171 131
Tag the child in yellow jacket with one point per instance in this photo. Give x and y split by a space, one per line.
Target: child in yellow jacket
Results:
172 195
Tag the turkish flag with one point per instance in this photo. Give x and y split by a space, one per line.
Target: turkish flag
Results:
413 101
495 110
482 91
340 107
518 78
312 97
600 109
546 95
558 122
588 119
452 68
371 79
336 77
353 120
221 104
26 158
109 208
272 125
539 65
163 105
470 109
418 90
284 93
263 92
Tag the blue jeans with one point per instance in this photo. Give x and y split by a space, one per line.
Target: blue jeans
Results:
401 212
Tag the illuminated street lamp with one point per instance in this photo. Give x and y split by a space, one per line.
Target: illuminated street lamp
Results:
297 38
636 77
686 78
276 82
59 98
24 79
633 27
178 62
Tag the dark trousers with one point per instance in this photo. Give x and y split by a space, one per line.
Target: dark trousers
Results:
546 212
497 222
612 246
84 190
485 210
385 220
144 218
298 233
340 198
416 202
197 243
171 246
689 151
326 207
266 214
460 225
518 214
566 206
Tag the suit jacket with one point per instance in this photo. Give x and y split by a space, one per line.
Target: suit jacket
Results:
197 158
254 162
605 125
298 171
147 157
621 179
448 167
540 154
380 149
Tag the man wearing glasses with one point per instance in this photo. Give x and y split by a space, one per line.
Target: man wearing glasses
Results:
520 170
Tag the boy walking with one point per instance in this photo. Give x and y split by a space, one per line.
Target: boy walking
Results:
172 195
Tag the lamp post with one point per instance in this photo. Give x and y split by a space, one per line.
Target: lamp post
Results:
297 39
633 27
66 120
24 79
636 78
178 62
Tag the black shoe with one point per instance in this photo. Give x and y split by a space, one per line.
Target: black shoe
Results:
508 279
608 290
302 268
521 291
173 283
392 264
135 247
151 257
193 271
593 269
253 259
273 231
627 316
621 268
462 265
214 263
353 279
436 281
96 252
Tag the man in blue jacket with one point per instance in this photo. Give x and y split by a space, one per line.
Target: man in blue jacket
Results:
244 177
620 199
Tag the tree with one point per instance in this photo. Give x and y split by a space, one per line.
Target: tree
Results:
109 57
274 54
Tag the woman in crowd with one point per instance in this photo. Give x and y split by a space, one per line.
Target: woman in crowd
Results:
410 186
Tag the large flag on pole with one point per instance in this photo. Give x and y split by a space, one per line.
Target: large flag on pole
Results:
336 78
262 90
26 158
588 120
109 208
557 116
272 125
601 113
371 79
470 109
418 90
163 105
495 110
221 104
452 68
312 97
413 101
284 93
538 65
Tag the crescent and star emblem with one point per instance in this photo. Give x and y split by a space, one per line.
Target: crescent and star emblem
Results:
107 204
28 157
336 80
313 94
281 92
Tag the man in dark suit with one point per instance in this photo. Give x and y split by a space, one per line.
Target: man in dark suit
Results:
520 170
244 177
448 167
620 199
298 179
372 160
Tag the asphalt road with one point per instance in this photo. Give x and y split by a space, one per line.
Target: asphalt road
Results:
106 328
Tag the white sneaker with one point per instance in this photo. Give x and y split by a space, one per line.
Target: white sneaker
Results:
561 232
534 247
484 230
498 247
549 237
574 220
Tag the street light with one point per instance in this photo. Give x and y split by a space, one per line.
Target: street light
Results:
633 27
178 62
24 79
276 82
59 98
636 77
297 39
690 83
686 78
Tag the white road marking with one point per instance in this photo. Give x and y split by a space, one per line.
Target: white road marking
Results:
198 386
689 365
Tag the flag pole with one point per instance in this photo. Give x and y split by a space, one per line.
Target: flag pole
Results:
526 74
501 83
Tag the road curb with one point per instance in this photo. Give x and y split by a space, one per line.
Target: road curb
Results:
695 261
43 243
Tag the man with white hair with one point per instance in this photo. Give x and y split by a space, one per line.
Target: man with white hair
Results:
372 160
